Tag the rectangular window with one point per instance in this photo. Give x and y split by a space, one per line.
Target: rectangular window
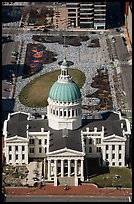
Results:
119 163
45 141
98 140
10 148
45 150
31 141
90 149
119 156
23 148
90 141
39 141
85 141
16 148
119 147
98 149
113 164
16 156
10 157
106 156
23 156
113 147
113 156
31 150
106 147
40 149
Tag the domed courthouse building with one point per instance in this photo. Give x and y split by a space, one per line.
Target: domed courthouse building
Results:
63 140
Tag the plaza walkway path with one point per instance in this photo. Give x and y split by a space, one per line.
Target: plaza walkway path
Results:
89 190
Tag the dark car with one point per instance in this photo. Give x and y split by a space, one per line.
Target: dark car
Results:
45 30
3 197
37 115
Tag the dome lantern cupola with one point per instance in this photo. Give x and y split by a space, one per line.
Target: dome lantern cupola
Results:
64 76
64 109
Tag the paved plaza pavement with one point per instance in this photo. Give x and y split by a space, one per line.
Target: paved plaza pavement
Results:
86 59
90 190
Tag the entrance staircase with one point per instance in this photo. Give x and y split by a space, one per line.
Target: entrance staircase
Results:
61 181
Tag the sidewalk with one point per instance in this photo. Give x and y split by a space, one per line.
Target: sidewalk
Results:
89 190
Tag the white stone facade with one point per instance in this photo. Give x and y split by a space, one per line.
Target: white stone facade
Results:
63 115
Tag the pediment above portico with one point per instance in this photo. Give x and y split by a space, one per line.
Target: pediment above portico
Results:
115 138
66 152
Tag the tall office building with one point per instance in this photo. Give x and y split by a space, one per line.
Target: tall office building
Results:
87 14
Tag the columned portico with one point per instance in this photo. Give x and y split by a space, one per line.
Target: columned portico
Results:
65 167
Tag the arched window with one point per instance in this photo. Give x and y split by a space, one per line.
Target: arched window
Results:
65 113
60 112
57 112
72 112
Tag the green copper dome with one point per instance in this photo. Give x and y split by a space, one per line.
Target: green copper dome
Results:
65 92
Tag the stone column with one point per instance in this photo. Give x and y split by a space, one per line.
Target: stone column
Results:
110 155
69 167
82 170
104 152
55 165
26 153
123 155
49 169
75 168
13 155
62 168
116 155
20 154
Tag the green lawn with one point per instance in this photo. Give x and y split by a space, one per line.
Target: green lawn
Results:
105 176
35 93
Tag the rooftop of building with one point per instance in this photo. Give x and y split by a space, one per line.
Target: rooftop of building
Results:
17 125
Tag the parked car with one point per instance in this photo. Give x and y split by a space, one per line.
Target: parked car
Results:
13 62
7 89
37 115
114 40
45 30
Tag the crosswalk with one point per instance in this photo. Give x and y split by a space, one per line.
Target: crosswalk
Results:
126 110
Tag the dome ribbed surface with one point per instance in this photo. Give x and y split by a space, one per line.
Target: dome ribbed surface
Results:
65 92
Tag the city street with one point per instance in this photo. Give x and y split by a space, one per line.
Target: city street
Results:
62 199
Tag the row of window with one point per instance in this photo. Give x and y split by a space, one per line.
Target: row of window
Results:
113 147
90 141
16 148
90 150
32 141
113 156
16 156
40 150
68 113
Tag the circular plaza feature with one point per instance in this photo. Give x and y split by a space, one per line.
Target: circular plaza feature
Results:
36 92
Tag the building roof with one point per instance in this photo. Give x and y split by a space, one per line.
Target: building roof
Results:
110 121
17 125
71 141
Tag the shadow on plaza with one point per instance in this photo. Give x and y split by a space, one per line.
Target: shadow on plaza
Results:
115 16
9 69
11 14
7 107
95 167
